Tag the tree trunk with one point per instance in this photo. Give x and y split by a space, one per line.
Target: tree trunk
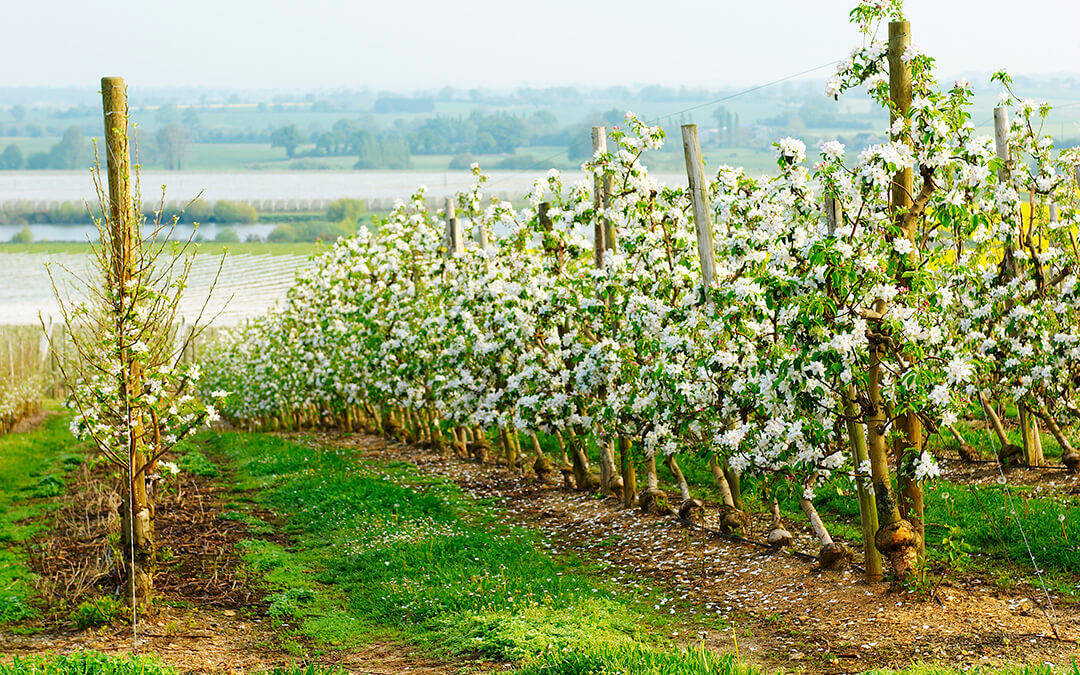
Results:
583 477
562 447
735 483
137 539
629 475
1069 457
868 516
995 421
911 504
778 537
1029 431
896 538
832 555
610 482
720 478
673 466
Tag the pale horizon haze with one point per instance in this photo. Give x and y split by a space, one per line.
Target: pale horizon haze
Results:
414 44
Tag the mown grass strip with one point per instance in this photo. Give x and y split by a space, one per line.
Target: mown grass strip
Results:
379 547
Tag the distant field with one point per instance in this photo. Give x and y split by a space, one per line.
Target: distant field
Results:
208 248
251 281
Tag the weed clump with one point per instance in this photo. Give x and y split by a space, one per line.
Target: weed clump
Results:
97 612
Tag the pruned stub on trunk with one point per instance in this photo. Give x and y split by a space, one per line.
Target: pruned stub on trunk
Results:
545 469
691 511
653 502
899 543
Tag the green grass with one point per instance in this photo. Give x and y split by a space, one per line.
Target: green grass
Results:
637 659
85 663
379 548
32 468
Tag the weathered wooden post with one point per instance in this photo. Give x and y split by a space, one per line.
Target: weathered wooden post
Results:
1028 431
699 198
604 240
897 538
455 243
137 519
834 215
727 480
601 200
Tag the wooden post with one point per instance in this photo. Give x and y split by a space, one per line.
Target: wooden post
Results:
601 188
137 519
900 96
118 171
1001 141
695 174
455 243
834 215
1028 430
910 500
603 240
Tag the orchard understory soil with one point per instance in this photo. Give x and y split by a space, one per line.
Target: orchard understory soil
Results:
306 550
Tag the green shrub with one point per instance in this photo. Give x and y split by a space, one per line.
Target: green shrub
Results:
23 236
98 612
226 211
346 210
198 211
282 233
226 235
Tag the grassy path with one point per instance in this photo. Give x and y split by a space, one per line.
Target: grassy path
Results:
380 551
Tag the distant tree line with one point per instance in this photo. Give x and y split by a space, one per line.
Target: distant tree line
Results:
71 152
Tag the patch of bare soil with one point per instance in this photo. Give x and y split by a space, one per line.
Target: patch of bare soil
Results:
785 612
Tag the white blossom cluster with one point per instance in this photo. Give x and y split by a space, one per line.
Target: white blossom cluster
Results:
970 289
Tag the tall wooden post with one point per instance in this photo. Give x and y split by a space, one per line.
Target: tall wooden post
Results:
695 174
834 215
910 499
603 240
455 243
137 517
1028 431
1001 141
601 199
118 171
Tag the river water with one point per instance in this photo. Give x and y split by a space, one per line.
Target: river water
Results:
270 191
260 185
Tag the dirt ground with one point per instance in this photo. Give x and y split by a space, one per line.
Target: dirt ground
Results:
785 611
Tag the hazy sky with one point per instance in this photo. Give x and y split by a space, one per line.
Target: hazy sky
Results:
408 44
